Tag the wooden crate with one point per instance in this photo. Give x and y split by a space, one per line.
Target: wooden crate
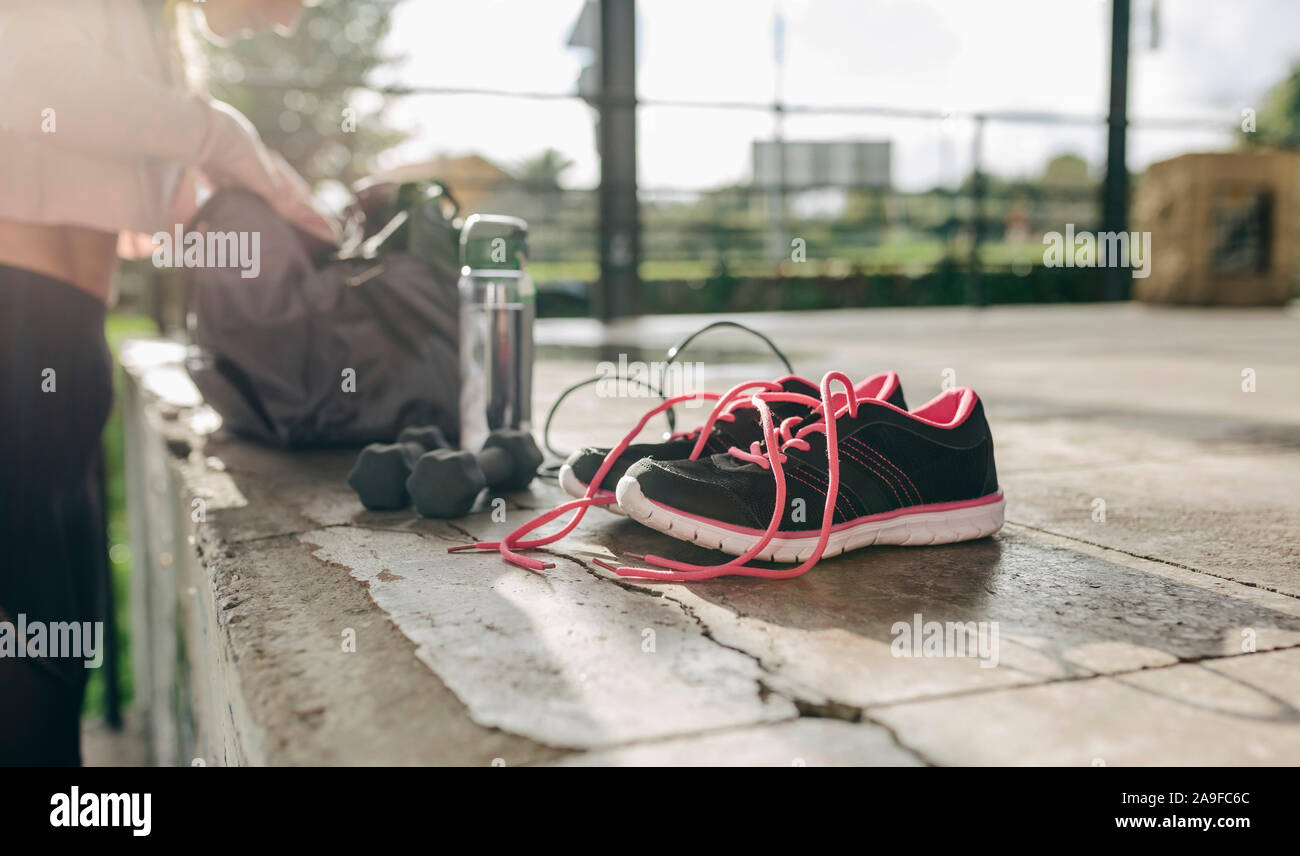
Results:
1223 228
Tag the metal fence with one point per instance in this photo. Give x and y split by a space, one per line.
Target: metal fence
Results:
613 240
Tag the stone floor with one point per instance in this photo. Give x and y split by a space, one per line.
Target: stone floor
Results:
1165 630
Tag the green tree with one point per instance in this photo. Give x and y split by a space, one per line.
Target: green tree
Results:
301 91
1067 171
1277 123
543 172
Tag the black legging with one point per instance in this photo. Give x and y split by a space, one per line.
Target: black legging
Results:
56 391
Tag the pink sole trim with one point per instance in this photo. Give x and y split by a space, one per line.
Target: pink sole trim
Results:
934 523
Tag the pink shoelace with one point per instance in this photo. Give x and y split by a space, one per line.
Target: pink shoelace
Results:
509 546
769 455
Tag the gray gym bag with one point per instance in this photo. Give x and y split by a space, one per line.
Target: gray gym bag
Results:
344 352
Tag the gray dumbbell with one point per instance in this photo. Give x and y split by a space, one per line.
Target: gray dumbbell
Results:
379 475
445 482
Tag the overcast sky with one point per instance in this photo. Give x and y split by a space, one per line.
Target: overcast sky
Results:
1214 58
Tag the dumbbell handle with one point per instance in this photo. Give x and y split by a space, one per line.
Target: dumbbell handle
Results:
495 464
411 452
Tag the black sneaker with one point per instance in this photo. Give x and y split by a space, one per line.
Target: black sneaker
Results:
738 425
925 477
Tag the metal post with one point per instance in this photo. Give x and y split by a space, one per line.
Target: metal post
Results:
974 297
1114 196
620 226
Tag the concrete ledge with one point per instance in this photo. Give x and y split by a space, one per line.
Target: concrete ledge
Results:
1138 638
239 631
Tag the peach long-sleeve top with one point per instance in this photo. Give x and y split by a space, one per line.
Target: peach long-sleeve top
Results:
93 132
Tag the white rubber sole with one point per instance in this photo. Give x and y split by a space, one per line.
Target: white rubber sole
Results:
917 528
573 486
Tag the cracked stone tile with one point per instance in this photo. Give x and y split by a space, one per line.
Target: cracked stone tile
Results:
1231 515
1059 612
252 493
1239 710
806 742
255 493
310 699
562 657
1029 440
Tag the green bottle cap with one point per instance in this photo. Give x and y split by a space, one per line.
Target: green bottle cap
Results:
493 242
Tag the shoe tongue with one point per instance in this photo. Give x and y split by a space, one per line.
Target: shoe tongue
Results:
745 428
785 409
801 386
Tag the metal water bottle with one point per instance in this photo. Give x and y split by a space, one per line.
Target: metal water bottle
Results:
497 308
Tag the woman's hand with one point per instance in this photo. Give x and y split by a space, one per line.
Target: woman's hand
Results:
234 154
299 207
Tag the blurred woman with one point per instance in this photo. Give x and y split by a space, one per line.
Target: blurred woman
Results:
106 139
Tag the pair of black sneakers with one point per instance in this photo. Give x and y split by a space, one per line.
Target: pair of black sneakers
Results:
771 478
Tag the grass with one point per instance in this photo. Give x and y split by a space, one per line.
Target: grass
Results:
915 254
117 329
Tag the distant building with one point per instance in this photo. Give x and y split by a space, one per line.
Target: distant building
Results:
817 178
834 163
472 179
